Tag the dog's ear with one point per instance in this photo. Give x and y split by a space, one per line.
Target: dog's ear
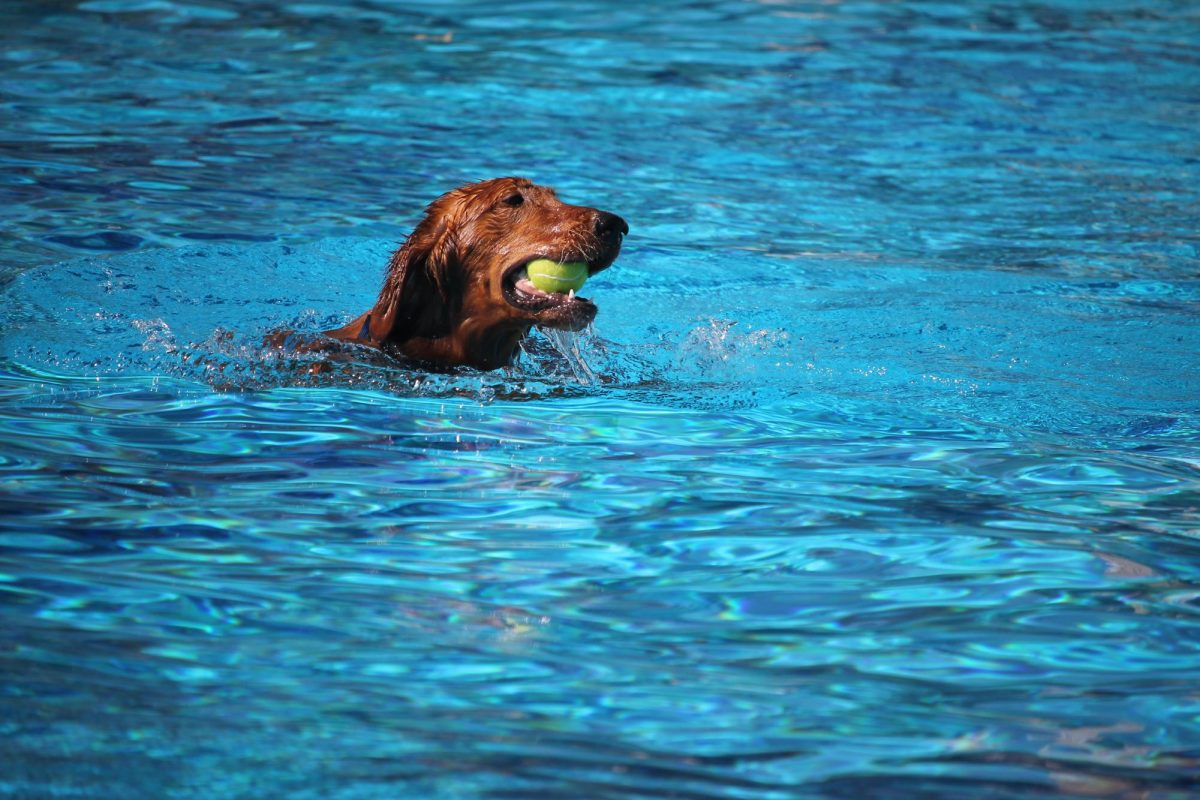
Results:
422 289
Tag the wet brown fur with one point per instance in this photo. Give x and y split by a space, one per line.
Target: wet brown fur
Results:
446 299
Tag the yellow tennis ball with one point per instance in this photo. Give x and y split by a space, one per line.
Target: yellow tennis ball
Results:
551 276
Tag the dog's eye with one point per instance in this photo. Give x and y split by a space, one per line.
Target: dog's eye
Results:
515 199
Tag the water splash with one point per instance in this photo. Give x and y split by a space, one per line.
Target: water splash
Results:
571 345
724 350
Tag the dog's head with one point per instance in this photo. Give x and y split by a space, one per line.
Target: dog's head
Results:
455 293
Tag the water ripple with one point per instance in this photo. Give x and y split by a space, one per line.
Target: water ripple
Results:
877 476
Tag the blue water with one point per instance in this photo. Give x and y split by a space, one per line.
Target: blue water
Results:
878 475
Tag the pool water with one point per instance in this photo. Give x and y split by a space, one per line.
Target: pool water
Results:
878 475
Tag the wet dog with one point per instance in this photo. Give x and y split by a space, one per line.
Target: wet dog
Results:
456 291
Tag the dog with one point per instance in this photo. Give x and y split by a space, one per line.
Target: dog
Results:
455 293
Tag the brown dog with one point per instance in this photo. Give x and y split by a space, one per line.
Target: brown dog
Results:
455 293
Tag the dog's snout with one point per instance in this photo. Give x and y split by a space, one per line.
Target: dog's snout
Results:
607 224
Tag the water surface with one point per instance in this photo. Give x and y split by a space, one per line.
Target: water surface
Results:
878 475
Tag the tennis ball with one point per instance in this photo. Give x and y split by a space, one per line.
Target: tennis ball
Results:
551 276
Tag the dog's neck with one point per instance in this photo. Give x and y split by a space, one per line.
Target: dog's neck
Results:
469 343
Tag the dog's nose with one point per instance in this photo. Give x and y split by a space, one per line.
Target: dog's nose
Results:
607 223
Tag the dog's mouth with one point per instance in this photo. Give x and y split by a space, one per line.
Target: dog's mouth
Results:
551 309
